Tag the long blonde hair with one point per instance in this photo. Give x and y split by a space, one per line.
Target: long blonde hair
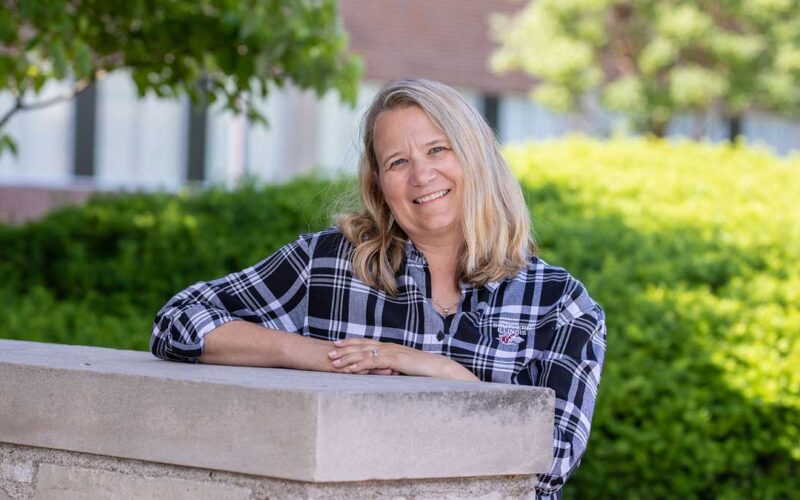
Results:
495 220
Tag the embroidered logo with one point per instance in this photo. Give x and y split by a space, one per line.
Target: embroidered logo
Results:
511 334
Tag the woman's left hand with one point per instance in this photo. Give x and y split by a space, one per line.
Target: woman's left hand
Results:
361 356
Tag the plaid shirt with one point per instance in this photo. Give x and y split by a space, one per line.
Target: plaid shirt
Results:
539 328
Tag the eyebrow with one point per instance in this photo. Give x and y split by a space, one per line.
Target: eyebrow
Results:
429 143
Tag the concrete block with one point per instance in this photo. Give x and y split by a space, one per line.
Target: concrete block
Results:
290 424
56 482
17 471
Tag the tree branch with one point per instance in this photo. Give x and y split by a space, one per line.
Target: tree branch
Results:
79 87
14 109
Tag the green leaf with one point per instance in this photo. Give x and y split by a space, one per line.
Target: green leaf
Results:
7 144
58 56
83 59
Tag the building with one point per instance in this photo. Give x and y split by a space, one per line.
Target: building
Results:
107 139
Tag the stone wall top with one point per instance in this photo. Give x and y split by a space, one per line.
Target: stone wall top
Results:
288 424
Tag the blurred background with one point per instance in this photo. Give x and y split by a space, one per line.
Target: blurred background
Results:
149 144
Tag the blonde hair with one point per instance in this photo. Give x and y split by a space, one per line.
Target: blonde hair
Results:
493 250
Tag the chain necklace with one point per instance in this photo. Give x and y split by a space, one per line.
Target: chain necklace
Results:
446 310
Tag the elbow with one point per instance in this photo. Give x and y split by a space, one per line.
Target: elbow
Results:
168 342
567 456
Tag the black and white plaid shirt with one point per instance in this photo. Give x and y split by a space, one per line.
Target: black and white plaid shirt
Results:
540 328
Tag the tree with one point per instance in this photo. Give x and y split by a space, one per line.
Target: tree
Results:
651 60
207 49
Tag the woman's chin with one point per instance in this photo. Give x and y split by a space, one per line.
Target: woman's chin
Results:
434 228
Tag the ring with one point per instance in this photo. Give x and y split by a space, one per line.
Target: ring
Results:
374 353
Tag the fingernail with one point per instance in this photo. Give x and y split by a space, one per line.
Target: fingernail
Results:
332 354
337 342
337 362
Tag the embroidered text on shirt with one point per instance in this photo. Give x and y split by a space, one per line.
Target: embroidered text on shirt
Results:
509 334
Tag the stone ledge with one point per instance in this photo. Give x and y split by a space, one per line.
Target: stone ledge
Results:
146 474
305 426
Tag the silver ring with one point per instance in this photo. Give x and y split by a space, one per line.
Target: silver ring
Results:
374 353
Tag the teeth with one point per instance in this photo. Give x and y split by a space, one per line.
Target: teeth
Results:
432 196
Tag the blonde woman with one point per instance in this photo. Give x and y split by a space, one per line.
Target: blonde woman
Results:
437 276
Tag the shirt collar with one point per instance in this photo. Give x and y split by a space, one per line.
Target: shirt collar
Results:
413 254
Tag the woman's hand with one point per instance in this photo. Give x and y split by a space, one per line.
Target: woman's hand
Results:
363 356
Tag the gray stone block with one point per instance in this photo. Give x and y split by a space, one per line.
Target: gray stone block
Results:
268 422
56 482
21 472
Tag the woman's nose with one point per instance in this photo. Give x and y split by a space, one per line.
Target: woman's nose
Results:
422 172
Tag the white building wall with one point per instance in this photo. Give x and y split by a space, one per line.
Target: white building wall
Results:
779 134
139 143
143 143
263 143
44 140
339 131
521 119
225 144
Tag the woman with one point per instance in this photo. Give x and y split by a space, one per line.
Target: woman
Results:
437 276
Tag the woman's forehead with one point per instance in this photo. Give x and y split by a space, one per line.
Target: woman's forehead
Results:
401 124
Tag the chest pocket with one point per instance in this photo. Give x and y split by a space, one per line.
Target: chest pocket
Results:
501 346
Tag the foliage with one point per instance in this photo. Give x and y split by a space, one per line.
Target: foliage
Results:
211 49
653 60
693 251
69 277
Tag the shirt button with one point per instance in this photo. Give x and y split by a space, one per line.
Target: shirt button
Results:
440 336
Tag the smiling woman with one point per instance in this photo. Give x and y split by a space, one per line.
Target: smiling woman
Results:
437 276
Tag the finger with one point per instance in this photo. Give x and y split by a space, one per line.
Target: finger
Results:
351 358
382 371
348 370
354 342
341 351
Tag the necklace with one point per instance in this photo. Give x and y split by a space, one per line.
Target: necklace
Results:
446 310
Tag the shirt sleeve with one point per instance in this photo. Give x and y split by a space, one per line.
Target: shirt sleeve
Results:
271 293
571 366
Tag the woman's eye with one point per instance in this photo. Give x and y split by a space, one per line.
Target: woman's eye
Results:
397 162
437 149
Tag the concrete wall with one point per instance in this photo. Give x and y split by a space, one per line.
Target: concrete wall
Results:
83 422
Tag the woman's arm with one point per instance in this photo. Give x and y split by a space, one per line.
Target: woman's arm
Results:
571 365
239 308
246 344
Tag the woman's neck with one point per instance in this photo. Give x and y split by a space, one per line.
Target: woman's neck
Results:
442 257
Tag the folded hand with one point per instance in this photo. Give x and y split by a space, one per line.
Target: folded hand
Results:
362 356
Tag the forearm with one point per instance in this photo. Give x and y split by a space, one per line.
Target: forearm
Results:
455 371
241 343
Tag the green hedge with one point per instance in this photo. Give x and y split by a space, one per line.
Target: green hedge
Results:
693 250
96 274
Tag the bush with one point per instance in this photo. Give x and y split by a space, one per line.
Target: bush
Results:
105 268
693 250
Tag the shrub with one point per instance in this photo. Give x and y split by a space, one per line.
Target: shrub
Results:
123 256
693 250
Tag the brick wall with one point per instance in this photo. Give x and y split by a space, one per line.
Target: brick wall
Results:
20 204
445 40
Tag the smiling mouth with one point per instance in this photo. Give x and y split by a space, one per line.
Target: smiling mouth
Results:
433 196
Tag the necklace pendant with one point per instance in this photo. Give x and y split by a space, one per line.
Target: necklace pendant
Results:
445 310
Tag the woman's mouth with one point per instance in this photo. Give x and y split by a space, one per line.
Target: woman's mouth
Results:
432 196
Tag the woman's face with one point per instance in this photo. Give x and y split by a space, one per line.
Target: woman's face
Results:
419 175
